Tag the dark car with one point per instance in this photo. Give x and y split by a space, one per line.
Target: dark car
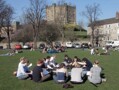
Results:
84 45
1 47
41 46
57 44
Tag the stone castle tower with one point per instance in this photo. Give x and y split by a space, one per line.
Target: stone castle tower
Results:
64 13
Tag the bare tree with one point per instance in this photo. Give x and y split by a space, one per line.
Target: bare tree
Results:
23 35
49 34
35 15
81 25
92 13
70 35
60 18
7 20
2 10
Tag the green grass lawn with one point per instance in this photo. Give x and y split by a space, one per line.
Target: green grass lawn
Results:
8 64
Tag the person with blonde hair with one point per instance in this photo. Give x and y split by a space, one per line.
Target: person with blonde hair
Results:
21 73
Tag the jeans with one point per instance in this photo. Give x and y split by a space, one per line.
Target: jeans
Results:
58 81
22 77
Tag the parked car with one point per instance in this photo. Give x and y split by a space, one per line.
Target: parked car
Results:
26 46
18 46
84 45
57 44
109 43
41 46
69 44
1 47
112 43
76 45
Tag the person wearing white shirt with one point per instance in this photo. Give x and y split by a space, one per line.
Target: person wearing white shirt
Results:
92 51
52 60
21 74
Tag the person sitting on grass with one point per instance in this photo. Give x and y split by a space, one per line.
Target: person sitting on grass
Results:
106 51
97 51
38 75
67 61
61 74
53 61
75 61
21 73
47 63
76 74
26 68
95 73
88 64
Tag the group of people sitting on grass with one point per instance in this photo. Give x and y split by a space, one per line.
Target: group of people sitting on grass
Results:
96 51
47 68
53 49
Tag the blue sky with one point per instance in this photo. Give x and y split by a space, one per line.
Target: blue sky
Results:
108 7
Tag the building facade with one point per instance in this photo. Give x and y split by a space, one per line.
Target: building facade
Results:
65 14
14 27
107 29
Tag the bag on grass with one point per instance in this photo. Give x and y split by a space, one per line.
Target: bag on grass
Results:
66 85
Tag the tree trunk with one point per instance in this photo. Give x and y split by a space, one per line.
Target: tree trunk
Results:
62 38
62 35
92 38
8 39
34 37
35 42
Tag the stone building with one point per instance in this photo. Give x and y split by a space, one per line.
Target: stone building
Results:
107 29
64 13
13 28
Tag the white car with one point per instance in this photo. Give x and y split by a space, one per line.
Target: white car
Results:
26 47
76 45
69 44
112 43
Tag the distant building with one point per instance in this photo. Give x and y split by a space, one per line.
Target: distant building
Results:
14 27
107 29
65 14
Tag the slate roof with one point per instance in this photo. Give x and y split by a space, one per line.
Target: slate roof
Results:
108 21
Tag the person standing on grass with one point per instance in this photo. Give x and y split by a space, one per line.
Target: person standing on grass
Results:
95 73
38 75
92 52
